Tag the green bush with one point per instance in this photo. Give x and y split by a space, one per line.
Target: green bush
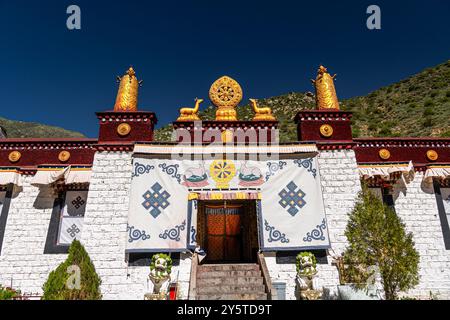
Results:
56 288
8 293
377 237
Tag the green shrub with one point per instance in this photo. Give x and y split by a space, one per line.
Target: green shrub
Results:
428 122
377 237
8 293
56 288
428 112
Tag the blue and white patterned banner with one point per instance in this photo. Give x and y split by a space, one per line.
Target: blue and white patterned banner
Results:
292 215
163 216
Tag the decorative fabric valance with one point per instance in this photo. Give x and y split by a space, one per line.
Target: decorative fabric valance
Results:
436 171
224 149
10 176
385 171
69 175
242 195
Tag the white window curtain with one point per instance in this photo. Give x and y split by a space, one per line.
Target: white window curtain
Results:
72 217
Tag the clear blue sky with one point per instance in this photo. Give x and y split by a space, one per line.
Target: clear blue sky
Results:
60 77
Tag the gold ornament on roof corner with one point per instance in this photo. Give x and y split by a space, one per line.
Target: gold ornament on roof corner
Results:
190 114
226 94
326 130
261 114
14 156
432 155
326 97
123 129
384 154
64 156
127 96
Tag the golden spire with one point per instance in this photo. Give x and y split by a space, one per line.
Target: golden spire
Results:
326 97
127 96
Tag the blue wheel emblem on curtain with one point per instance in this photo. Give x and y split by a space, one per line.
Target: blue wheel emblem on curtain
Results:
156 200
292 198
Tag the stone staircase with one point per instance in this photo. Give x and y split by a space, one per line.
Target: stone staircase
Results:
230 282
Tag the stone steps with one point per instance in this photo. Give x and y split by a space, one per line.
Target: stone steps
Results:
214 281
230 282
236 296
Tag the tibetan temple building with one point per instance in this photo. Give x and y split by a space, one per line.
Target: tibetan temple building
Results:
230 204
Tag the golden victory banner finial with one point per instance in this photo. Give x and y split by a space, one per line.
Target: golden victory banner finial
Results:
127 96
190 114
226 94
326 97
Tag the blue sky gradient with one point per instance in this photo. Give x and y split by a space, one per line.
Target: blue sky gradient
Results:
60 77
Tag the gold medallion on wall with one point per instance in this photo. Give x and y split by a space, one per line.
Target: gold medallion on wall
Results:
384 154
64 156
14 156
326 130
226 94
432 155
123 129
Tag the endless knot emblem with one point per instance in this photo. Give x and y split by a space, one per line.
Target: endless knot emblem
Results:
155 200
78 202
73 230
292 198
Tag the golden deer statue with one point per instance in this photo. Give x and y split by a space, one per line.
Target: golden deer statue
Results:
261 114
190 114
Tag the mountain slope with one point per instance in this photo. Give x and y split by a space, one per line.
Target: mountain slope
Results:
416 106
20 129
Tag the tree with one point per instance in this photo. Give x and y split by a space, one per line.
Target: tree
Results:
62 283
377 237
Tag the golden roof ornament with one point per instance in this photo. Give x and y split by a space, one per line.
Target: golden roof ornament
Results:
190 114
261 114
326 97
127 96
226 94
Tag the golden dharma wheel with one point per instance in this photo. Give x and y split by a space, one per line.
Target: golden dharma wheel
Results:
64 156
14 156
326 130
384 154
432 155
123 129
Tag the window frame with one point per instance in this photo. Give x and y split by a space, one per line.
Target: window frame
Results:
52 245
4 213
445 225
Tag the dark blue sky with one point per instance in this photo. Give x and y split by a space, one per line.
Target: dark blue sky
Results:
60 77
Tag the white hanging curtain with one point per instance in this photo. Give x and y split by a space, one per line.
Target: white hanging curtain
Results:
10 176
384 171
69 175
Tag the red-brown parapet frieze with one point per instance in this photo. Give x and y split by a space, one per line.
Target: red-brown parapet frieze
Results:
421 151
26 154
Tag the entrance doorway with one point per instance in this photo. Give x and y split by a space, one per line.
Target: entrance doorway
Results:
228 231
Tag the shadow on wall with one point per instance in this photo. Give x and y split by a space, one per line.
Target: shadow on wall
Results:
45 198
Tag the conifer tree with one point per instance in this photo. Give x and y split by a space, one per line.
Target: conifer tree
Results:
377 237
57 286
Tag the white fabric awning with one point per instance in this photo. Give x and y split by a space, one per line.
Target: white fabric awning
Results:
68 175
384 171
224 149
436 171
10 176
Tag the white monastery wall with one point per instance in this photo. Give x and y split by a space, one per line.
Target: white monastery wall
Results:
417 207
23 263
104 234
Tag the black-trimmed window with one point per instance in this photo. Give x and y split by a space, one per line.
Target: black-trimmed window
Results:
442 193
5 200
66 223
